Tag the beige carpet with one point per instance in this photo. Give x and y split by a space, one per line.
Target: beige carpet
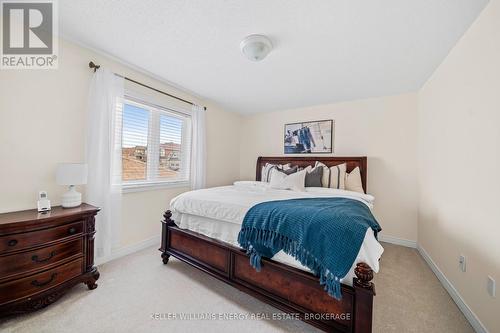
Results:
131 289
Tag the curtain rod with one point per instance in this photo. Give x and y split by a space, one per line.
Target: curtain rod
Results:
95 67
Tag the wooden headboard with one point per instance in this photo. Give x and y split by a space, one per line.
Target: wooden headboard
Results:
352 162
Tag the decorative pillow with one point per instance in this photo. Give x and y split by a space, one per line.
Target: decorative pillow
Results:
288 171
265 174
325 178
313 177
353 181
294 182
337 176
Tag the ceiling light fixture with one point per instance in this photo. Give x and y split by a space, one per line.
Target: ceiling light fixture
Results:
256 47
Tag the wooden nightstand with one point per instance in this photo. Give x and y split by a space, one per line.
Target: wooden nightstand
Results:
43 255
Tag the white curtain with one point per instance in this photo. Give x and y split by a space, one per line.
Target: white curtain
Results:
198 148
104 157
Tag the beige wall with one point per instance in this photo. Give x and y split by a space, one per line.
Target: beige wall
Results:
384 129
42 116
459 111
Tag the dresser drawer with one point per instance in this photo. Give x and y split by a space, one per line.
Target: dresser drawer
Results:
21 263
29 239
36 283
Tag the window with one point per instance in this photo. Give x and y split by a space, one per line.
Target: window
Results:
155 145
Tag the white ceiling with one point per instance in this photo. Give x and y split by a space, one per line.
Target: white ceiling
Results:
324 50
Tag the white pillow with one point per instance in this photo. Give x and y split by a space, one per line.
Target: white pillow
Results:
337 176
294 182
353 181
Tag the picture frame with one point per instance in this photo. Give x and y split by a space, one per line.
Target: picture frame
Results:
309 137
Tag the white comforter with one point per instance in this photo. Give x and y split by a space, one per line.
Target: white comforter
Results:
231 203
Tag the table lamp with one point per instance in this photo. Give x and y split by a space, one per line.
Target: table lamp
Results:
71 174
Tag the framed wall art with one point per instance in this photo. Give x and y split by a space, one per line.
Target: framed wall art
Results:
311 137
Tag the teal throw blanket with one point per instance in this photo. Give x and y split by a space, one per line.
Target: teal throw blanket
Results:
323 234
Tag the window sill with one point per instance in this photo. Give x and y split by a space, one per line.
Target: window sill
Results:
142 187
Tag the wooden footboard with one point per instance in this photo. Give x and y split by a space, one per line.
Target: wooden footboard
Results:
286 288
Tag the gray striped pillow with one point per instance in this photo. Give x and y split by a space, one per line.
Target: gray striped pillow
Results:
265 175
337 176
325 178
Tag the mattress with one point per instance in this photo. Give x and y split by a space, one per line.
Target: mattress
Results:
218 213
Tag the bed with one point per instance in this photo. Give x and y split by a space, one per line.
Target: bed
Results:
201 229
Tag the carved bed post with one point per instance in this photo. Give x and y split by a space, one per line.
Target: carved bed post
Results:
89 244
167 221
365 291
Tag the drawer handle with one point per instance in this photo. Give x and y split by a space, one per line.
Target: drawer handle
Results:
72 230
41 284
35 257
12 242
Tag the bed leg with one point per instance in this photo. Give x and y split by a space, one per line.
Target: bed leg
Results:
167 221
164 258
365 290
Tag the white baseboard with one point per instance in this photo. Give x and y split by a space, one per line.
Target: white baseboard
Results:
397 241
469 315
121 252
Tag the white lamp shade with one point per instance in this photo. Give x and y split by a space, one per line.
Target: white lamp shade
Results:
71 174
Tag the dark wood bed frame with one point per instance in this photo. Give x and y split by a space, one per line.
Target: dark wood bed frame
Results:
286 288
